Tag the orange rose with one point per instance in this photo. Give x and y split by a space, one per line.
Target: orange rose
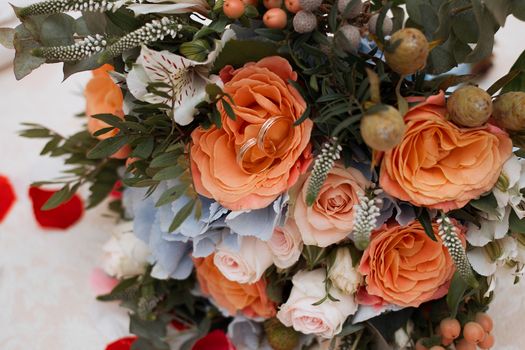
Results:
250 299
440 165
405 267
103 96
228 164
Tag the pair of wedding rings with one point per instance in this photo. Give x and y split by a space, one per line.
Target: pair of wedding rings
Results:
264 144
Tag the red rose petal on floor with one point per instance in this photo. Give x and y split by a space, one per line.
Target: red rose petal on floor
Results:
216 340
7 197
116 192
62 217
122 344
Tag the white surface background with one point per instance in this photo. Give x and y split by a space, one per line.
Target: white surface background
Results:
46 299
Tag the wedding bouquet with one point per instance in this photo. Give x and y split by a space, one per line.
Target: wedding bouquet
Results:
297 174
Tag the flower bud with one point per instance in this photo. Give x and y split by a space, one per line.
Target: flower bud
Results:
343 274
279 336
408 51
469 106
382 129
509 111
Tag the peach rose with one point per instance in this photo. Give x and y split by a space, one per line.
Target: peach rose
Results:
286 245
331 218
103 96
250 299
440 165
405 267
228 164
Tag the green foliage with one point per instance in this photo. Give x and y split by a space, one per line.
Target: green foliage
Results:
99 174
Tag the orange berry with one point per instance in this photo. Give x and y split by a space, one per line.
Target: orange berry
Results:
473 332
420 346
250 2
450 328
293 6
271 4
437 347
465 345
485 321
275 18
233 8
488 342
446 341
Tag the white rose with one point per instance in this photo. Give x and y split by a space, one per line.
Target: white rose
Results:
324 320
246 265
286 245
343 274
124 254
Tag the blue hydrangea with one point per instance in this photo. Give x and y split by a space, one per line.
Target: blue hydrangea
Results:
171 251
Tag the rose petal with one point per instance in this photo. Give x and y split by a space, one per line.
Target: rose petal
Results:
215 340
62 217
122 344
101 283
7 197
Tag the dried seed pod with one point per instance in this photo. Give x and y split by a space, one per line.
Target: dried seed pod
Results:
469 106
409 51
353 38
304 22
353 12
388 25
310 5
383 128
509 111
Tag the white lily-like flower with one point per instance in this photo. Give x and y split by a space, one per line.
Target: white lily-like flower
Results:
511 181
187 79
170 7
485 260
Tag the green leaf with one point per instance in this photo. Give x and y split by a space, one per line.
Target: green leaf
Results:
38 133
107 147
500 9
25 62
57 30
59 197
456 291
487 204
486 25
518 9
424 219
7 36
182 215
169 173
516 225
164 160
228 109
171 194
239 52
518 82
272 34
51 145
144 149
154 331
503 81
110 119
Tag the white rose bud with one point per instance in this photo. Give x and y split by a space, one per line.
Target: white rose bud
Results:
124 254
247 265
343 274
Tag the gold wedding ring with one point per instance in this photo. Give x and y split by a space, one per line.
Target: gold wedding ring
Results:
251 167
267 145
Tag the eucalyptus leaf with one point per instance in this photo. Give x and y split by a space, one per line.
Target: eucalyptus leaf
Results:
182 215
456 292
58 30
7 36
25 62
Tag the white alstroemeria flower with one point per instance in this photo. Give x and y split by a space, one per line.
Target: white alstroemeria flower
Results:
187 79
512 180
171 7
485 260
492 227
